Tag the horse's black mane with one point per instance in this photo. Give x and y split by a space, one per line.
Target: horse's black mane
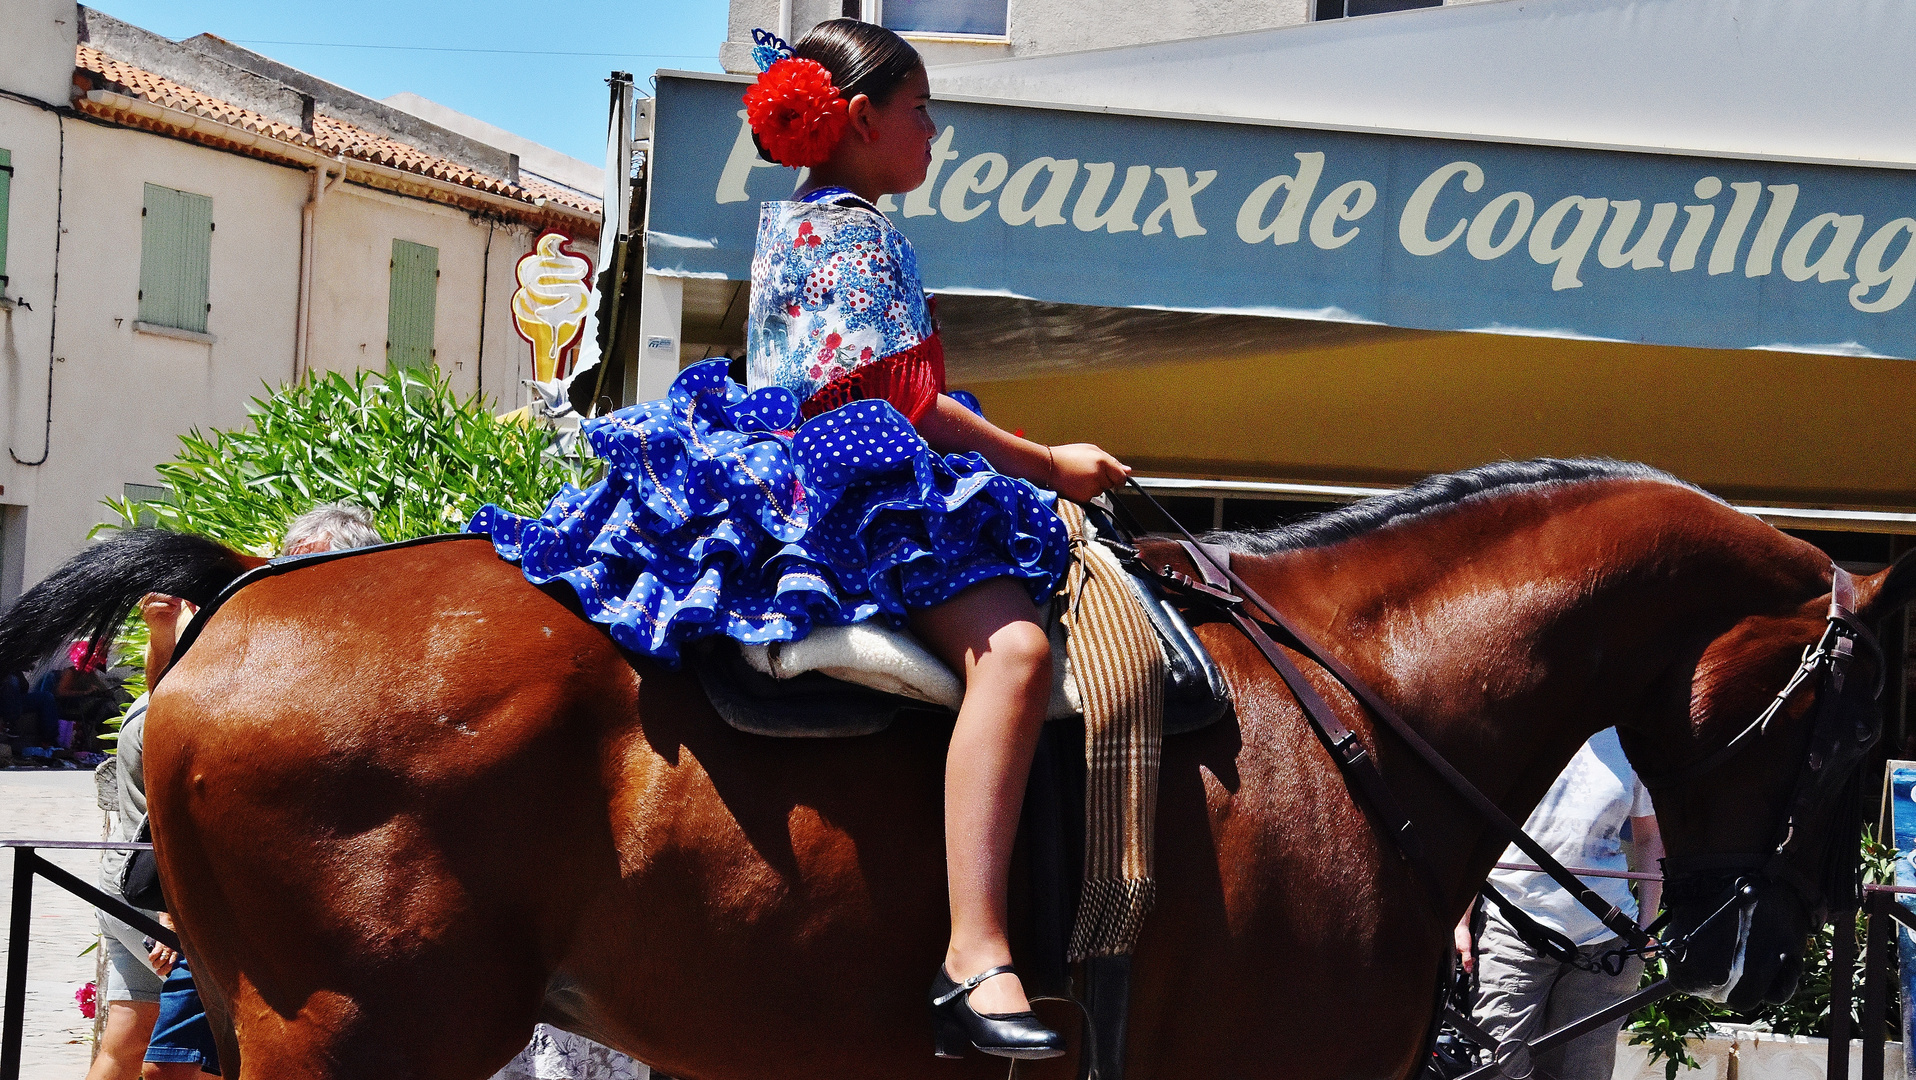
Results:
1432 493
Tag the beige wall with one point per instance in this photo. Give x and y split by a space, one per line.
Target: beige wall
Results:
36 48
121 397
355 228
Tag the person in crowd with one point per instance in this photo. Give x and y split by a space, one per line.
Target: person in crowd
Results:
851 484
1596 803
155 1025
27 716
84 696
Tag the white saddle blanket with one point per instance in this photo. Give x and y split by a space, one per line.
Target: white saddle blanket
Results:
894 661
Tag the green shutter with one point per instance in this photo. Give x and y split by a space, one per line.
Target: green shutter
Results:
176 258
6 191
411 305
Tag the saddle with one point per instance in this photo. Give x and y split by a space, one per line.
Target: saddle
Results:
846 681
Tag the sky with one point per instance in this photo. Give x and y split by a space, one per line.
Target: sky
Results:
543 77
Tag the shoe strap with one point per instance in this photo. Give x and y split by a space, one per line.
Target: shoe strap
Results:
972 983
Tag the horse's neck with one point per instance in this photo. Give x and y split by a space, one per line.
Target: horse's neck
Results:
1508 649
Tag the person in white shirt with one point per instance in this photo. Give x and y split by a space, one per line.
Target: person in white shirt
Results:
1523 993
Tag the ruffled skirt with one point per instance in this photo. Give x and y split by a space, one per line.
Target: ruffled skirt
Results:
716 518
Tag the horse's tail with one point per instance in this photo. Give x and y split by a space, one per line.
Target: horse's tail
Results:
94 592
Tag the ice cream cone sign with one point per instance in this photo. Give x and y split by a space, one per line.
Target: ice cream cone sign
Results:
550 305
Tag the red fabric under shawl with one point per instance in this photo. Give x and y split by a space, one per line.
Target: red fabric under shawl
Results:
910 380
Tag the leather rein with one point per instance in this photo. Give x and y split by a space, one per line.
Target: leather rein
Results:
1219 587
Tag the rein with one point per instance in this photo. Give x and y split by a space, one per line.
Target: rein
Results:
1222 588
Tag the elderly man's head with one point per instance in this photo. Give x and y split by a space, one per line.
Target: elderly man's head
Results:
330 527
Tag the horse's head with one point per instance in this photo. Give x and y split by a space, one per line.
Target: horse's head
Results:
1760 818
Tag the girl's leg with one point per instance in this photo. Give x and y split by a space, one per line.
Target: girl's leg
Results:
990 634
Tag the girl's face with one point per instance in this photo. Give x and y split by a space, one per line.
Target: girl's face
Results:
895 138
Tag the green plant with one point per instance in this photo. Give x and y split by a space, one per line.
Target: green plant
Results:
402 445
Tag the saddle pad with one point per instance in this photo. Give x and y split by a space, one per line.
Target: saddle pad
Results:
844 681
873 655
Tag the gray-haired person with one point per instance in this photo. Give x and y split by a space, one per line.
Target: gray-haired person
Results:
135 971
330 527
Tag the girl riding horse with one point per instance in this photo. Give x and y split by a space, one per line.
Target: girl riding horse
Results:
892 499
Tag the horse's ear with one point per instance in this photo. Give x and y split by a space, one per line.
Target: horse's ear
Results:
1886 591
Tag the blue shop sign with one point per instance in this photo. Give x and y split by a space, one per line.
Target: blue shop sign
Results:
1440 234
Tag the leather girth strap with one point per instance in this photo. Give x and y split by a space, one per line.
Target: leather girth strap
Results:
1215 566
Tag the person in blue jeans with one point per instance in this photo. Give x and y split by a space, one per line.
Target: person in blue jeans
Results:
182 1044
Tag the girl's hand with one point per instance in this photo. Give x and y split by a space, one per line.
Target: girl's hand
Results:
1082 472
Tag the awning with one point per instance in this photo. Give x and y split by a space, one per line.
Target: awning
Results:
1357 252
1122 210
1764 79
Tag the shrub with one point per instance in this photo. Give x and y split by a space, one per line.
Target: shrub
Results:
402 445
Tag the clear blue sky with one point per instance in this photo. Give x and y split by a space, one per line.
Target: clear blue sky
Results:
537 69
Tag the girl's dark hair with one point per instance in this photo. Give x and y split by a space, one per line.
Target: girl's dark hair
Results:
864 58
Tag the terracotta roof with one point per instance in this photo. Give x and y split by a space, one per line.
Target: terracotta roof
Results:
329 136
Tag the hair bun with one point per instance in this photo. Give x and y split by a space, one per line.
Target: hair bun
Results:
796 112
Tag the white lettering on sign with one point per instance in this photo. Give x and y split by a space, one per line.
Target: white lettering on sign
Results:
1179 190
1413 227
1050 207
1339 206
1123 213
1829 265
1481 241
1643 255
966 180
1567 255
1297 190
1284 209
1870 272
739 164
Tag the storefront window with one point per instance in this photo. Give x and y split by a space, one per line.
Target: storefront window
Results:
984 18
1339 9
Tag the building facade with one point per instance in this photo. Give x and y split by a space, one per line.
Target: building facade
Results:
185 226
962 31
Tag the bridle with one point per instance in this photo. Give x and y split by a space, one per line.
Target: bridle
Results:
1814 850
1847 724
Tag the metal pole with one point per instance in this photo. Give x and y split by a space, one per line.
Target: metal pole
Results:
13 1025
1875 1027
1842 983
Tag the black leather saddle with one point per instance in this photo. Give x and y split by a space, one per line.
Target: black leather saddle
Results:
816 706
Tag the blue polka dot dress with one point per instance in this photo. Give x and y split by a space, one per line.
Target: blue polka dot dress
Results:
721 513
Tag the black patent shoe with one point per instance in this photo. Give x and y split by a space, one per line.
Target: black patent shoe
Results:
956 1026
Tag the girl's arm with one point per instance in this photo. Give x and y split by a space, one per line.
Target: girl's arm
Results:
1078 471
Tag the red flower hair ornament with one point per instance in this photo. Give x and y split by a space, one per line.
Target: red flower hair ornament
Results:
796 112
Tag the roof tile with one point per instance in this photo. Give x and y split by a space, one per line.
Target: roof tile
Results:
329 135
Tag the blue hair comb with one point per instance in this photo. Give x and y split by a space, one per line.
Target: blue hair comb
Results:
768 49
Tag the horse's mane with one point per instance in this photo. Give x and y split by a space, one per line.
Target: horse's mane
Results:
1435 493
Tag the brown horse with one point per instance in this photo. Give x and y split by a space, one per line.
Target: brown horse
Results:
407 804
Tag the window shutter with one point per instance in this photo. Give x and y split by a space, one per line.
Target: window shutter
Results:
6 191
176 258
412 303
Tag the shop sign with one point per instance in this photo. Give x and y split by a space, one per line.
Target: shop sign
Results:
1442 234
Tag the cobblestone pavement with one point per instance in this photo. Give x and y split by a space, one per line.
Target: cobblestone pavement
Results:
47 804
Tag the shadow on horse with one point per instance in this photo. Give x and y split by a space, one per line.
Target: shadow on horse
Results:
407 804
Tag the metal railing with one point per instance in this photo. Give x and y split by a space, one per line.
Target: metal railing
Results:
27 864
1879 905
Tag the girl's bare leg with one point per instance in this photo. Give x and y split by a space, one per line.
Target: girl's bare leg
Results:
990 634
